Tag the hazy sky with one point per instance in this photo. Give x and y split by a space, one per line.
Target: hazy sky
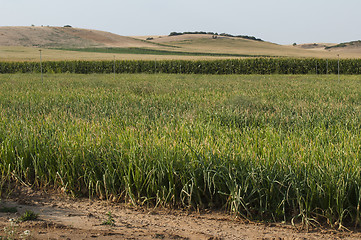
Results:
279 21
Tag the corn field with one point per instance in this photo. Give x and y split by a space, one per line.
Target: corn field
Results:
236 66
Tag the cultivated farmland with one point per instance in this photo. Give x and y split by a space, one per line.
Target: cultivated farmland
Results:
186 136
278 148
22 43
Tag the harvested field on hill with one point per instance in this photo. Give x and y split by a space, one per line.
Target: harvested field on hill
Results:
19 54
68 37
56 37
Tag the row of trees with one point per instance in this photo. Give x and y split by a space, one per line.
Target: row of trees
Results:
216 34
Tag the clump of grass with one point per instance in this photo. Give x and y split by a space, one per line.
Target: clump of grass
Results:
29 215
110 220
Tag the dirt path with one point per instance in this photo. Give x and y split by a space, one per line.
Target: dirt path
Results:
65 218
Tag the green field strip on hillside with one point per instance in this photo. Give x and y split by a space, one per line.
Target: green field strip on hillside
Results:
157 44
157 52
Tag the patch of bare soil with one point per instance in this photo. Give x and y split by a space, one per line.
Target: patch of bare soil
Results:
65 37
106 38
61 217
41 37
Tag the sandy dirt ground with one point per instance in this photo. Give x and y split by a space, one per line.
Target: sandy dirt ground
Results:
61 217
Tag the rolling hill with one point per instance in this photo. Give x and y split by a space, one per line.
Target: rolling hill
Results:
21 43
57 37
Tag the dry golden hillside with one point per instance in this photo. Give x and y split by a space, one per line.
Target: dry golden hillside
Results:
64 37
233 45
21 43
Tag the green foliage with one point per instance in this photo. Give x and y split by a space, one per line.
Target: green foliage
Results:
8 210
231 66
144 51
267 147
212 33
110 220
175 34
342 45
28 216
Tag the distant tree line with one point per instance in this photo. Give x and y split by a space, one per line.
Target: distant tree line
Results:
216 34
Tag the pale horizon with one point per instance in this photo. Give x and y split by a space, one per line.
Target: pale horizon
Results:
280 21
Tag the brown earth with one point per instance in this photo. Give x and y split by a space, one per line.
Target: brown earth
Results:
64 37
62 217
106 38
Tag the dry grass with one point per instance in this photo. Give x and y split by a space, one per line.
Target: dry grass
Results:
32 54
41 37
107 39
205 43
65 37
14 39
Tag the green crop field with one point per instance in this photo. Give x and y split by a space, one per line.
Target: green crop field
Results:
228 66
146 51
267 147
